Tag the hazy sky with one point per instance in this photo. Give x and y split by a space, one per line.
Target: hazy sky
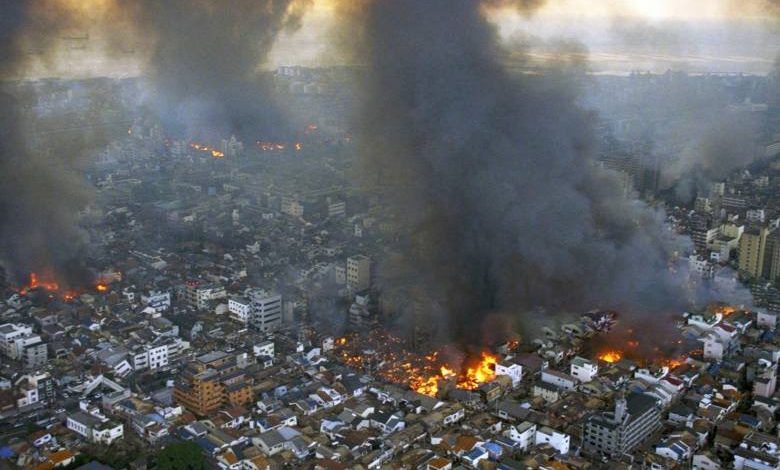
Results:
620 35
659 9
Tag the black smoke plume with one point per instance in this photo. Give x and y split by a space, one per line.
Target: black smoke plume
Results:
205 61
498 207
40 191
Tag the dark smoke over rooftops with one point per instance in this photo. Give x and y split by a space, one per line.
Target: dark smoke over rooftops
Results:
40 191
205 62
498 205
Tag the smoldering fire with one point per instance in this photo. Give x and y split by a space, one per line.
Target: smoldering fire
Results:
385 355
493 173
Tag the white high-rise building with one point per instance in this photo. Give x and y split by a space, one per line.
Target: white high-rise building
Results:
266 313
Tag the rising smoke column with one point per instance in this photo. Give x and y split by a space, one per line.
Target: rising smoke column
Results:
205 59
497 204
40 192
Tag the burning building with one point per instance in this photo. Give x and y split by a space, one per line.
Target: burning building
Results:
425 374
492 171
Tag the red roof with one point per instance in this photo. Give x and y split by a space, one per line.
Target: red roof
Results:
726 327
674 381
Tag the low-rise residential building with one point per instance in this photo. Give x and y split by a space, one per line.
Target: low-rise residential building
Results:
95 428
583 369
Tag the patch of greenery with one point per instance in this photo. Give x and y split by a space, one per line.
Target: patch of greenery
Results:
180 456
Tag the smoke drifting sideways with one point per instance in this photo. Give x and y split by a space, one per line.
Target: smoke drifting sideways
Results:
717 145
40 192
498 206
204 63
720 140
204 59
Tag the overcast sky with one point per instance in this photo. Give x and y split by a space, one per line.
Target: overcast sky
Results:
620 36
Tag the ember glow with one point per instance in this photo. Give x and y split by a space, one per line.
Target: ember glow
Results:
36 283
48 285
471 378
205 148
611 356
726 310
673 363
422 373
278 146
101 288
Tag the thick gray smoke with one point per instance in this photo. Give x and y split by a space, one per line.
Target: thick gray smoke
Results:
499 208
40 191
205 61
717 143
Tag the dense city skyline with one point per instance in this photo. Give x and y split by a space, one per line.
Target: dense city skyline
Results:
389 234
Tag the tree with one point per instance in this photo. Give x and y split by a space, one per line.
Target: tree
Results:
180 456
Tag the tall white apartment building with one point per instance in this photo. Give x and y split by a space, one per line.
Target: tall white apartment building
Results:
266 314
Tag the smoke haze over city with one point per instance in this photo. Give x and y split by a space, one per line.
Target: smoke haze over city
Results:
389 234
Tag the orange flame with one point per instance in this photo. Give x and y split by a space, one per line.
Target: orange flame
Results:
673 363
421 373
35 283
101 288
50 286
726 310
611 356
482 372
426 386
447 373
205 148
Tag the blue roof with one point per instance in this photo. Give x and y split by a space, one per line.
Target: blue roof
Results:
183 433
748 419
475 453
206 445
493 448
505 441
6 452
678 449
